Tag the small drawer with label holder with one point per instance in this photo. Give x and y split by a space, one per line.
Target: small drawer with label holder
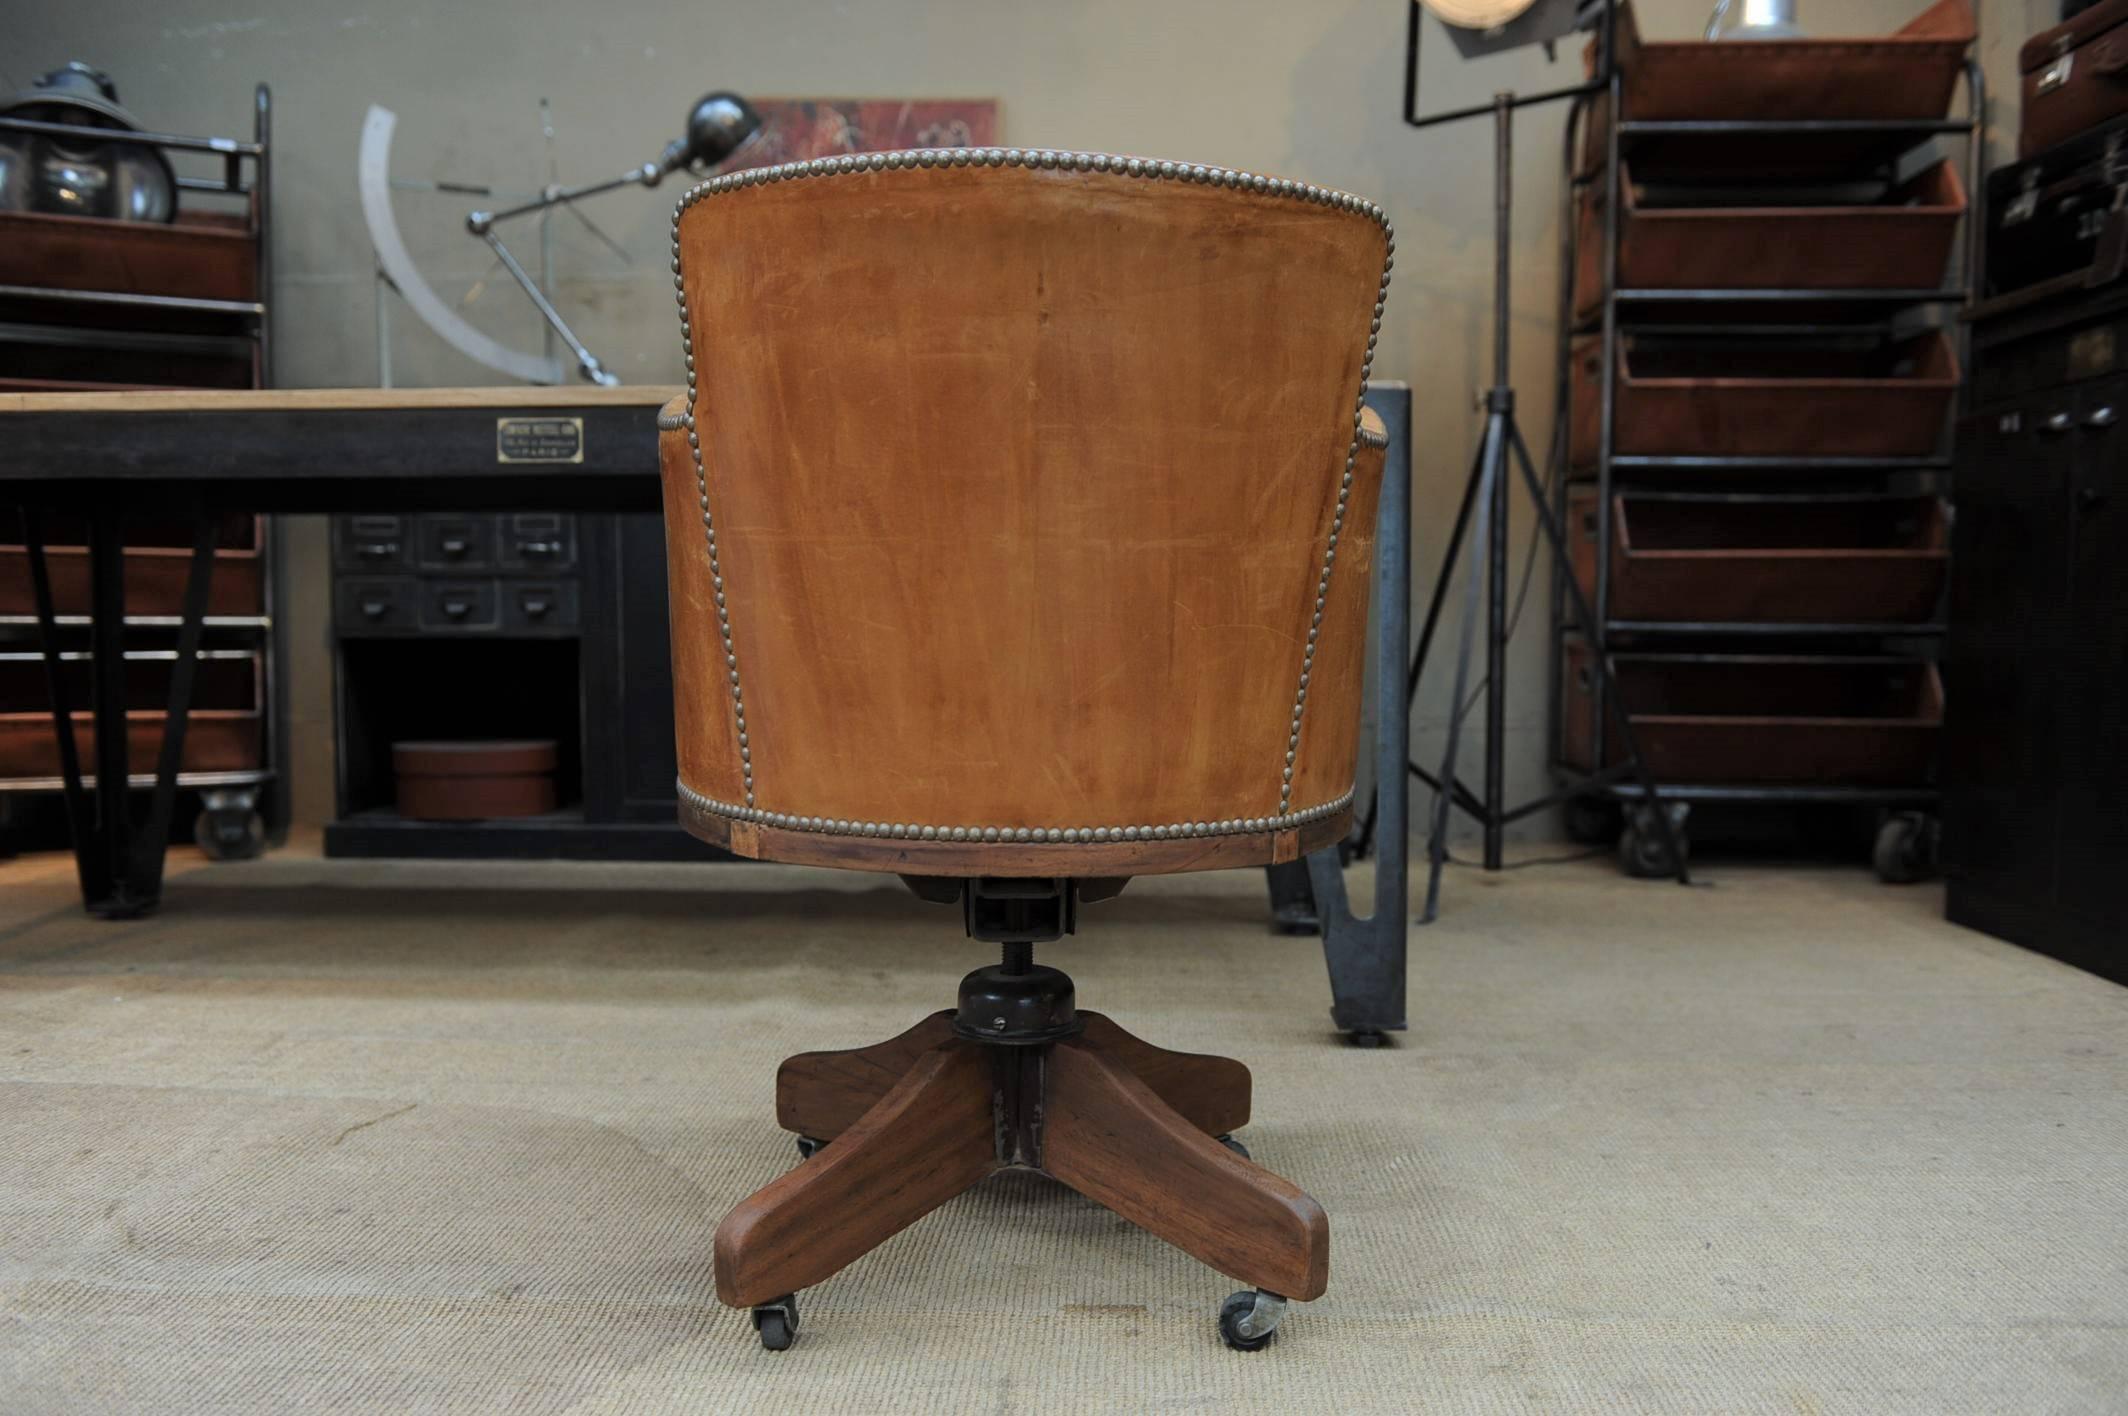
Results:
372 543
539 542
454 542
459 604
539 606
383 605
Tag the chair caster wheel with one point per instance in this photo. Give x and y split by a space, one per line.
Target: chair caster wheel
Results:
1906 848
1235 1146
1368 1038
808 1147
228 826
777 1322
1643 853
1248 1320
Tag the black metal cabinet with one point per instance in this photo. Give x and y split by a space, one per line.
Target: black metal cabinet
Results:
498 625
2036 774
2094 797
628 673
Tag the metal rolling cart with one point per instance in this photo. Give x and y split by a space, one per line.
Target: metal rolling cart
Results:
92 304
1761 430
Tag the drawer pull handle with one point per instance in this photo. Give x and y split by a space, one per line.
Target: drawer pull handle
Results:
2057 423
377 550
539 548
374 609
456 545
458 609
2101 417
536 607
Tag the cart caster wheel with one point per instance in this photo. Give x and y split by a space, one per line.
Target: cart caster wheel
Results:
1368 1038
1235 1146
777 1322
1906 847
808 1147
1642 851
1593 820
227 827
1248 1320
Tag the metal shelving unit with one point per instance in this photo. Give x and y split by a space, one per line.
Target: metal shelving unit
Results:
1762 154
237 807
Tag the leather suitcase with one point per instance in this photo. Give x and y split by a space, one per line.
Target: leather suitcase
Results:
2075 76
2059 215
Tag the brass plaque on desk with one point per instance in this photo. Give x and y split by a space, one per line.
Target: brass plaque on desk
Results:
539 439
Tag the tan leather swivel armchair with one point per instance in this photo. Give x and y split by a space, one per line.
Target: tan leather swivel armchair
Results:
1020 510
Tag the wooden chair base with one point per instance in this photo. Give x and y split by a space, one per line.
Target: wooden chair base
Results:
912 1122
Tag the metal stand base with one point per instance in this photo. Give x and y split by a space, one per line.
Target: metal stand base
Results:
1483 521
118 858
1365 955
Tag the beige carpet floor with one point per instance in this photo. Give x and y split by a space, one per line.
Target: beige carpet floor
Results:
404 1138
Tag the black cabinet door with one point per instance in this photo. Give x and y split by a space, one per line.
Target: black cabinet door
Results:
2094 681
2009 594
630 762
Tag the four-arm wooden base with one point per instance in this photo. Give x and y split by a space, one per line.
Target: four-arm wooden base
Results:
912 1122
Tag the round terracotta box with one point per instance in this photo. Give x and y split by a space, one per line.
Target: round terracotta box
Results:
474 781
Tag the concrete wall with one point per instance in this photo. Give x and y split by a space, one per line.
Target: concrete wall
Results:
1307 90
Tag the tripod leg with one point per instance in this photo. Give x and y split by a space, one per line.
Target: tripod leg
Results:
1491 453
1564 567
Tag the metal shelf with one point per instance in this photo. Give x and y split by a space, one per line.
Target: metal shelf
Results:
1756 793
1747 296
1773 154
147 621
130 341
1654 461
1916 128
1771 630
248 309
185 780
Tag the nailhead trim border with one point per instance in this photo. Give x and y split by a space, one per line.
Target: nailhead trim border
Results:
1047 159
1001 835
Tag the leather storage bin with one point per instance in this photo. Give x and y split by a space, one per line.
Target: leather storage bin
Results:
1767 400
2075 77
223 732
157 562
1766 559
1908 75
474 781
1763 719
200 256
1900 241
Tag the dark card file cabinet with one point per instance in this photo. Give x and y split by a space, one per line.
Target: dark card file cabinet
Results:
2035 764
507 624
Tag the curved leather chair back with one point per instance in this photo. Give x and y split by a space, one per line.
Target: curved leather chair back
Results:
1020 511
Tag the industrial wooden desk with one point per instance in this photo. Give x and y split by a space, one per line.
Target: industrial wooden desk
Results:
200 454
197 455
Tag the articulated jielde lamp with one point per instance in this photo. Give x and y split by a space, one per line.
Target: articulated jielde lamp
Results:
717 127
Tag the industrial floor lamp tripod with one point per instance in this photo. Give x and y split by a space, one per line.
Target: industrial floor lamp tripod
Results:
1482 520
